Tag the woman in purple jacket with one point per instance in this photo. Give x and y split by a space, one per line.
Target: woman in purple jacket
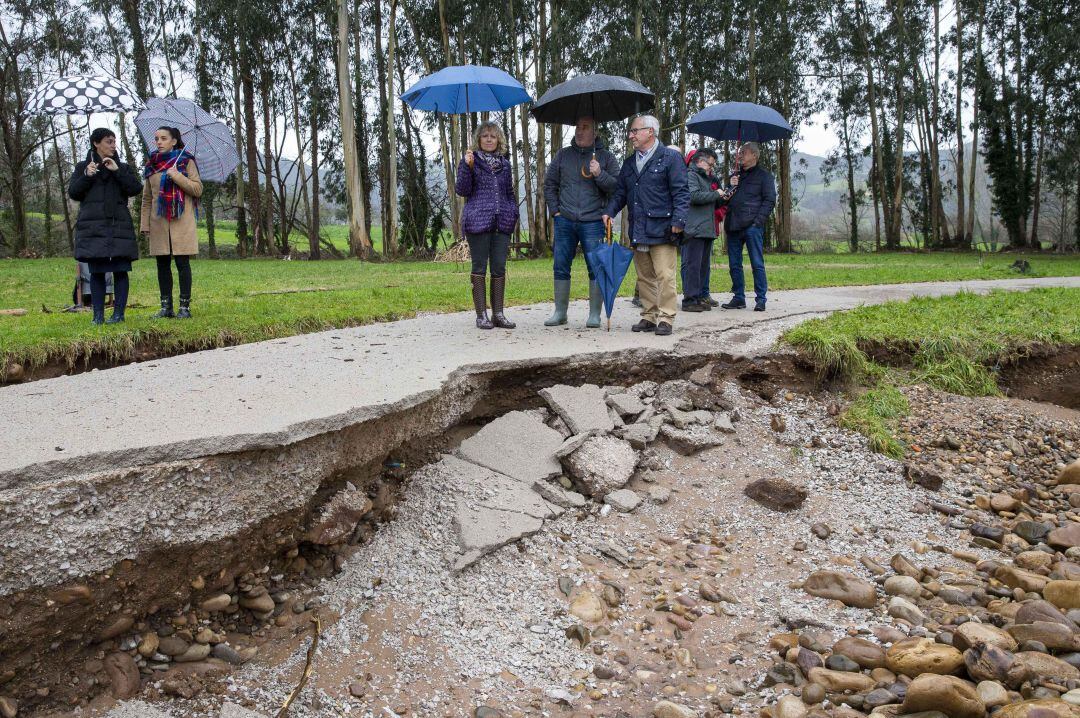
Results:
484 179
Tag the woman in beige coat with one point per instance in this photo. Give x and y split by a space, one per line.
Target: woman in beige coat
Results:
170 206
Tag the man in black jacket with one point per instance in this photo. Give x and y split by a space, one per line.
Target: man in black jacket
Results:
748 208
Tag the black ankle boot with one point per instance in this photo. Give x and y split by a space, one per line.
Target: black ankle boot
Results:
166 309
498 290
479 298
185 308
117 316
99 316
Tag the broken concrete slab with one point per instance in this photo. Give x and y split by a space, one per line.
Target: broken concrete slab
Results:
556 494
603 464
518 445
691 440
572 444
492 509
231 710
583 408
723 423
626 404
623 500
641 434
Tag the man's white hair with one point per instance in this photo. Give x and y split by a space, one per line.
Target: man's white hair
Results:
651 122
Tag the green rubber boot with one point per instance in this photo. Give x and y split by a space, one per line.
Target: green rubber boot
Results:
562 301
596 303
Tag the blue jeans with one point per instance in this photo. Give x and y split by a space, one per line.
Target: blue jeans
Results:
754 239
567 236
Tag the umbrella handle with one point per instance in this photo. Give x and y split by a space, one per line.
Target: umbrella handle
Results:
588 175
608 232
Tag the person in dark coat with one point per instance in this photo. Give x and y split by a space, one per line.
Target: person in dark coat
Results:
700 230
104 232
748 207
577 185
484 179
652 187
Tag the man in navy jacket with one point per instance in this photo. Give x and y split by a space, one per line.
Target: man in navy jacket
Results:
653 189
748 208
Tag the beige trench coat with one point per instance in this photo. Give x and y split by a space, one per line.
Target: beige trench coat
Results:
180 235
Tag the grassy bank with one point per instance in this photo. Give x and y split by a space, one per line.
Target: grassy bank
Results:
239 301
953 343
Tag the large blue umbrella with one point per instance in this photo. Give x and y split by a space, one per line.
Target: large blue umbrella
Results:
461 89
609 262
740 121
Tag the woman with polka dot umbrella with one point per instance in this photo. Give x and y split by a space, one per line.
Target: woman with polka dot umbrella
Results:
82 95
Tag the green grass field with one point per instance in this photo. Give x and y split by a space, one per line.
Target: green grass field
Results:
231 304
952 343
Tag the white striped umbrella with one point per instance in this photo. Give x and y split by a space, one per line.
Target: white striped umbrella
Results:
206 138
82 95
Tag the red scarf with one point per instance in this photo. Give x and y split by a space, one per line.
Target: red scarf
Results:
170 199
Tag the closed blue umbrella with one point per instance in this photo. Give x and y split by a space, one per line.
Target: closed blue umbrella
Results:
740 121
609 262
461 89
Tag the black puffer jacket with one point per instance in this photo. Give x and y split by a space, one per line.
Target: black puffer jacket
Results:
104 229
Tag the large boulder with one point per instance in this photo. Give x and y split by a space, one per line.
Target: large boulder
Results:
840 681
776 494
1070 474
603 464
1063 594
860 650
1053 635
1047 667
971 634
1041 708
986 662
948 694
1065 537
915 656
843 587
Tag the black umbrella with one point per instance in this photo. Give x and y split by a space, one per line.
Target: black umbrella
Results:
603 97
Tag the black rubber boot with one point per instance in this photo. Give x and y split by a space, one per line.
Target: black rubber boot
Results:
185 308
479 298
117 316
498 289
166 309
99 316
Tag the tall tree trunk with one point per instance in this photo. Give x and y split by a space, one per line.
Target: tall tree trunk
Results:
526 148
390 222
254 201
139 55
1037 197
878 175
268 164
455 134
202 74
243 245
363 135
963 239
359 241
294 93
969 229
65 203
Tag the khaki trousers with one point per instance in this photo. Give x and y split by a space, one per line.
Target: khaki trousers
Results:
656 282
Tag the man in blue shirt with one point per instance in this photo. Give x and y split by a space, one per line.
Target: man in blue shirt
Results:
653 188
748 209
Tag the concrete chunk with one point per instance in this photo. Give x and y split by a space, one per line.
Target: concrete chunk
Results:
626 404
603 464
723 423
518 445
640 435
583 408
555 494
623 500
690 440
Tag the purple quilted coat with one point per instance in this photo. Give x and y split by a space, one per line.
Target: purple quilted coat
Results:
490 205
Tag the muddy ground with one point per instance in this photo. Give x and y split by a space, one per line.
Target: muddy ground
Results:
686 590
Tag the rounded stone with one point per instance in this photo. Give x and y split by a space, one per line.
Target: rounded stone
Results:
916 656
950 695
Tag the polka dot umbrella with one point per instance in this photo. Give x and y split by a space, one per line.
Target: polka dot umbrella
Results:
82 95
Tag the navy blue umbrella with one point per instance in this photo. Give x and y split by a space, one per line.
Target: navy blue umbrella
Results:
740 121
609 262
461 89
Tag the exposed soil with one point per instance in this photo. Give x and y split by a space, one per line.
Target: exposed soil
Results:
401 636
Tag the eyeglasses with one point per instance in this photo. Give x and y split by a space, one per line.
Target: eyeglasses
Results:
635 130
